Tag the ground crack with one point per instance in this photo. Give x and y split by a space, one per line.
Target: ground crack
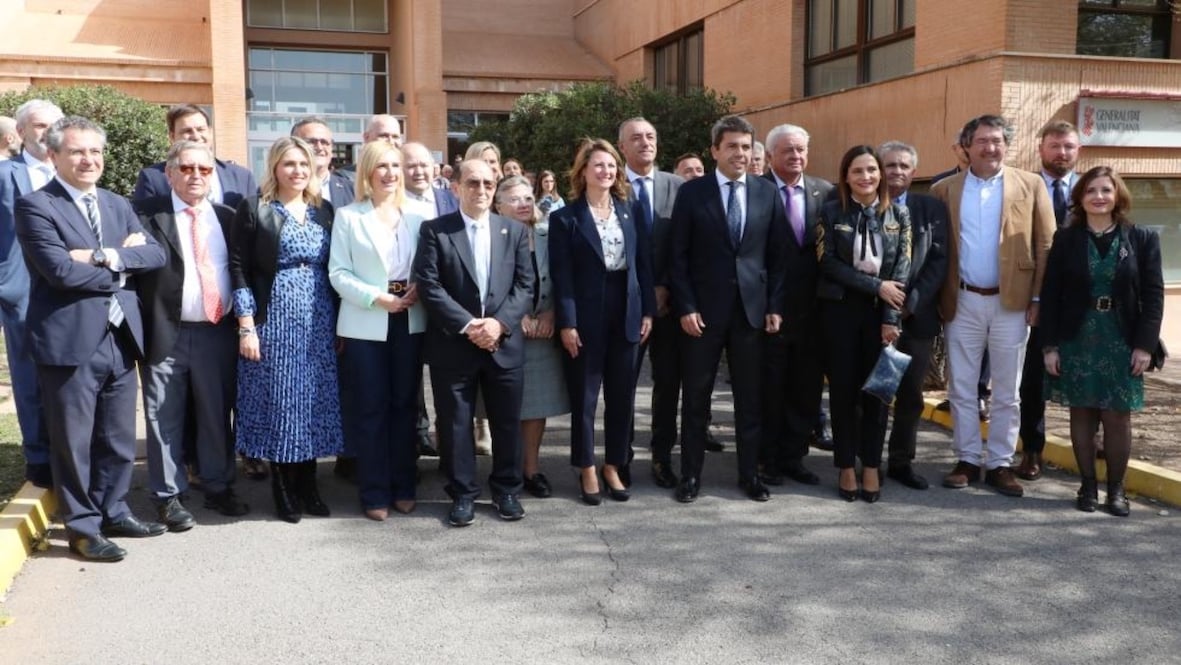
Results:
601 603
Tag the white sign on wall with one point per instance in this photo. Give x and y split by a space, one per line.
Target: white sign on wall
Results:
1141 123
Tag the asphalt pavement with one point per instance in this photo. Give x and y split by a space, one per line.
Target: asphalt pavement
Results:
941 576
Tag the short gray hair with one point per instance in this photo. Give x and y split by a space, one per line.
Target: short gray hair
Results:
899 146
57 132
730 123
32 106
779 131
759 147
181 146
415 145
638 118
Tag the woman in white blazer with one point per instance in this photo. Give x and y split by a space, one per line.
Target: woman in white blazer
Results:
380 325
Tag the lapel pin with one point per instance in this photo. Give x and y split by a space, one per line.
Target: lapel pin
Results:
504 232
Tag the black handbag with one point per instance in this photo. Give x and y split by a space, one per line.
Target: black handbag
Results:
1159 354
887 374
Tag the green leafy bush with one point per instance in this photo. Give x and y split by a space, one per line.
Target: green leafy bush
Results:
544 129
136 131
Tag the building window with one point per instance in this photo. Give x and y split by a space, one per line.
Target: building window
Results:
851 42
679 63
1154 206
1125 28
338 15
460 125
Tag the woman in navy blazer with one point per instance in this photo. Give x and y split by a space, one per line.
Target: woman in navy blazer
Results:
600 263
381 324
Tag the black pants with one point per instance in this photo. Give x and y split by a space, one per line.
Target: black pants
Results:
908 403
1033 402
664 354
853 338
743 345
793 385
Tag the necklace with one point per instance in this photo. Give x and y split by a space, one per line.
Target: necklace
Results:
1102 232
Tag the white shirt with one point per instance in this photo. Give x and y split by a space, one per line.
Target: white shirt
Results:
40 173
326 188
216 193
649 184
192 308
114 264
480 236
980 230
394 247
422 205
724 185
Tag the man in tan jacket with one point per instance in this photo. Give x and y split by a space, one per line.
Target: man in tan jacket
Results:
1002 223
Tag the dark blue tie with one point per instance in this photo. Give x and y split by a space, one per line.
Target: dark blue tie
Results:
641 187
734 214
1060 201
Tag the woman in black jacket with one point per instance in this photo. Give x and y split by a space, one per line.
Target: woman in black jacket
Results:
1102 302
863 244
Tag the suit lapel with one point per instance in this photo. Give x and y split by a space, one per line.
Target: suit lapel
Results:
499 248
20 174
586 225
113 233
463 245
364 219
955 194
166 222
70 213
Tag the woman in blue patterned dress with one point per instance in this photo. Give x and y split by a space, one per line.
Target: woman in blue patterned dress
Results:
288 408
1102 302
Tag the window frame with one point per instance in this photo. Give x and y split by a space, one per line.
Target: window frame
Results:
1163 9
248 10
862 46
680 42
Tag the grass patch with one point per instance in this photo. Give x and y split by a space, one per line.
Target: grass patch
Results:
12 458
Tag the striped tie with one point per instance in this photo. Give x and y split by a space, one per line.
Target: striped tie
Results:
115 314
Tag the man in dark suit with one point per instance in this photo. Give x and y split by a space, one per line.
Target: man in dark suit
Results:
191 345
230 183
726 273
84 246
336 188
793 372
27 172
475 278
920 316
655 192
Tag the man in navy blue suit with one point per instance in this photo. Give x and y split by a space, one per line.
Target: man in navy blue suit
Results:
27 172
83 246
726 267
422 197
335 187
230 183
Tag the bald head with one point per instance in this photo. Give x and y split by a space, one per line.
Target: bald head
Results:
383 127
10 140
418 167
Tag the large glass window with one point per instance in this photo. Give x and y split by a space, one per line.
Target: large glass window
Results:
461 123
851 42
339 15
679 64
1125 28
1154 206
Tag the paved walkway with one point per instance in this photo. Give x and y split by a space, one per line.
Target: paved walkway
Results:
937 576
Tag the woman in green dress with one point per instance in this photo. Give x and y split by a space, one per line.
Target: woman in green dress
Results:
1101 306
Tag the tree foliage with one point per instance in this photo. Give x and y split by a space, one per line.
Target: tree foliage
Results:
545 128
136 131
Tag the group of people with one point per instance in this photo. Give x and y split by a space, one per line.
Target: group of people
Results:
290 321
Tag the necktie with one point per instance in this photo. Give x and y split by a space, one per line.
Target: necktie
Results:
210 294
797 221
481 252
1060 201
641 187
115 314
734 214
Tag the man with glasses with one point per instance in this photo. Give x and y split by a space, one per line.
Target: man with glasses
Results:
336 188
475 278
229 184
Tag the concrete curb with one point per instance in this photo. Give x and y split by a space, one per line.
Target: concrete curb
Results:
23 524
1144 479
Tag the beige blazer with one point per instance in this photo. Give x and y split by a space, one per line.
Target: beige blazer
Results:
1027 229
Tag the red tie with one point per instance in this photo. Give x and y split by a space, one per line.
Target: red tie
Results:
210 295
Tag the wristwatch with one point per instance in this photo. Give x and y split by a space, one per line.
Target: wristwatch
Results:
99 258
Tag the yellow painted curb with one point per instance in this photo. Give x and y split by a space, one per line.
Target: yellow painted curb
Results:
1144 479
24 522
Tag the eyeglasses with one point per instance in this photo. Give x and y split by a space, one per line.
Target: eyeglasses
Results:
315 141
520 200
189 169
473 183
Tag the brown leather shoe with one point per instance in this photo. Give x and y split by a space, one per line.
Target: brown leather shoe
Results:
962 475
1003 481
1030 467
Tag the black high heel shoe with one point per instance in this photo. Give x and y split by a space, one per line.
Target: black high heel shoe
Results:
866 495
589 499
616 495
847 495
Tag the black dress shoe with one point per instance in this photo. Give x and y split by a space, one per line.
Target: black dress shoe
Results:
616 494
226 503
755 490
687 490
508 507
132 527
871 497
907 476
426 447
848 495
800 473
463 512
663 476
174 516
96 548
712 445
590 499
538 485
40 475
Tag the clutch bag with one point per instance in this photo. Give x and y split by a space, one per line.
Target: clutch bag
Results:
887 374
